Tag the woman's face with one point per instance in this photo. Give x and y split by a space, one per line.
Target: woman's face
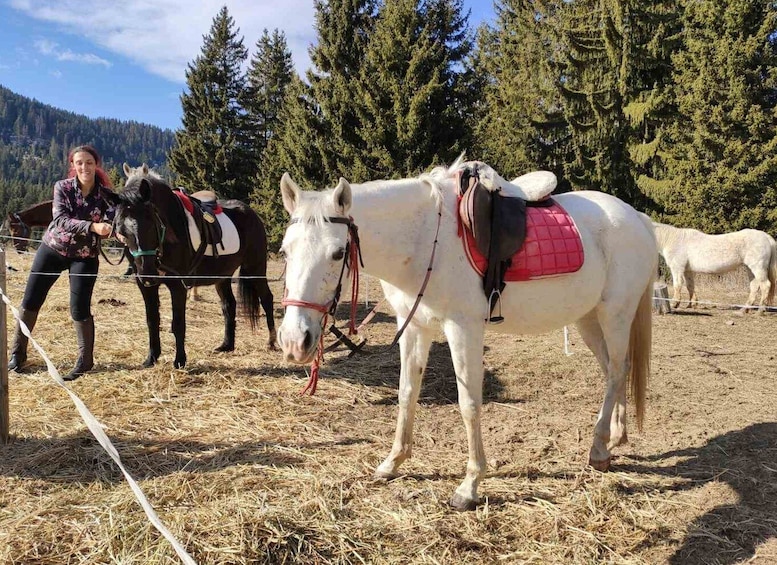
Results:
85 166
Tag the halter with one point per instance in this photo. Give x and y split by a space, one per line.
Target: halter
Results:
161 230
351 259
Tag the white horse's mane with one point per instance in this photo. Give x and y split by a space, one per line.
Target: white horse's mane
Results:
310 207
141 171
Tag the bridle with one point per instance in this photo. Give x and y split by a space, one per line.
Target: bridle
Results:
158 251
352 259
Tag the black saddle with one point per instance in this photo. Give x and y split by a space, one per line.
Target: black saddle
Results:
204 205
498 226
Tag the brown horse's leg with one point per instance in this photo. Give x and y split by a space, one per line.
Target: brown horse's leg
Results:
151 300
178 300
229 310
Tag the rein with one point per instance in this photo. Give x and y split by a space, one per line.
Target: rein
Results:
352 260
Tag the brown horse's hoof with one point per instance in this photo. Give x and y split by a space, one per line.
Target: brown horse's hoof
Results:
458 502
602 466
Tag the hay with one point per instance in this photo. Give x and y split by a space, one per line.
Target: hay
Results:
244 470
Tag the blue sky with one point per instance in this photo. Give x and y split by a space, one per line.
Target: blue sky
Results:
126 59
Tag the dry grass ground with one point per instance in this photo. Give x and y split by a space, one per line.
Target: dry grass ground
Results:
244 470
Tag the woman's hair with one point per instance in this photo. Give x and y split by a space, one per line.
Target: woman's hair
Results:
101 175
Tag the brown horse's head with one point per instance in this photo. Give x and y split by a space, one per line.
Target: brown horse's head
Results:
19 231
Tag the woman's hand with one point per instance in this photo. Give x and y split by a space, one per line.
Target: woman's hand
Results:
101 228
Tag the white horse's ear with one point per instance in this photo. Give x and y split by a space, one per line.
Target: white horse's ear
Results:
458 162
145 169
290 193
342 196
127 170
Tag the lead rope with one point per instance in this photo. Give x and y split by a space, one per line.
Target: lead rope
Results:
423 285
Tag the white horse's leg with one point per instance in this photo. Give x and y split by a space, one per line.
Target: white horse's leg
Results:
678 280
592 335
610 429
760 281
466 345
690 284
414 353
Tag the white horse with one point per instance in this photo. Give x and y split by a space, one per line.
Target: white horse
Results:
688 251
609 298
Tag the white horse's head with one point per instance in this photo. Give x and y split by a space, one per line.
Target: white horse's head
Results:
315 247
143 171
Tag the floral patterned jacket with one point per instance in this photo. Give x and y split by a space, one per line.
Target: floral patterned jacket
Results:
68 233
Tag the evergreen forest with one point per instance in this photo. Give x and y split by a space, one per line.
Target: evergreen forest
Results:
35 139
668 104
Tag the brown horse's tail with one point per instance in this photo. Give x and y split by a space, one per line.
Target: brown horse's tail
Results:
772 271
640 346
253 287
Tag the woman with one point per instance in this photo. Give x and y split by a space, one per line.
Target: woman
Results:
81 216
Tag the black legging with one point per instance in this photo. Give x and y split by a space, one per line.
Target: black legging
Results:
45 270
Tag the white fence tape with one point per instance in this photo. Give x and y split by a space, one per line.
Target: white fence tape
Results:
97 431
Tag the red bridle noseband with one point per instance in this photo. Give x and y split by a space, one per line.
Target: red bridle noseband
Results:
352 260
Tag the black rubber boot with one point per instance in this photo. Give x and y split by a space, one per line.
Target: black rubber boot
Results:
85 337
18 353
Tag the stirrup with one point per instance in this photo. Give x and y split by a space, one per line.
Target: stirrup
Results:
490 319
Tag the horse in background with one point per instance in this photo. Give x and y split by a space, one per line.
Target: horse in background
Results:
689 251
154 223
609 298
20 224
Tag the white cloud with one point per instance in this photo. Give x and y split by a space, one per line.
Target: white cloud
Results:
163 36
50 48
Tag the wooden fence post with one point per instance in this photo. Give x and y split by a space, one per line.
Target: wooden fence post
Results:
4 404
661 303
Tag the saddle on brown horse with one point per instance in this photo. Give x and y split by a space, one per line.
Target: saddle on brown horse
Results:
498 226
203 207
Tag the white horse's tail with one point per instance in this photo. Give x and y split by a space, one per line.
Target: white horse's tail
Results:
640 346
772 271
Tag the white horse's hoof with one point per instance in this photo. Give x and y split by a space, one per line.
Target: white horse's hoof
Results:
462 504
384 475
603 465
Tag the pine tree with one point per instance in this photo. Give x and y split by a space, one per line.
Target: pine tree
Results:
592 73
522 127
213 147
723 156
344 28
317 140
269 73
293 148
649 103
410 98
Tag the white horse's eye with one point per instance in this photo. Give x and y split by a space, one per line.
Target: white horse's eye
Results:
338 255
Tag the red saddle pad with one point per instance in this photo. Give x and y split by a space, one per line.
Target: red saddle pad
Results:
187 203
552 246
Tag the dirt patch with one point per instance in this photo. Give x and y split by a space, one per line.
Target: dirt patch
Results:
243 469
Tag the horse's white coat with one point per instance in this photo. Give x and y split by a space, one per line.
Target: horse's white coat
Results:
688 251
609 298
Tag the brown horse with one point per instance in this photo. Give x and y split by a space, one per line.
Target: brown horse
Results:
155 225
20 224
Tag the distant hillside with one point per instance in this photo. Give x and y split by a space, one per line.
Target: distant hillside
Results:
35 139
